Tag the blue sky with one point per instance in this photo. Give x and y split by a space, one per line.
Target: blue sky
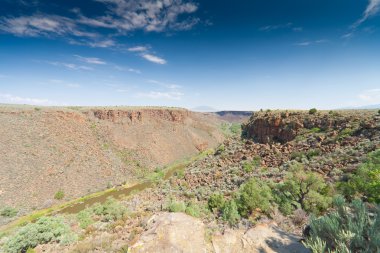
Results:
235 55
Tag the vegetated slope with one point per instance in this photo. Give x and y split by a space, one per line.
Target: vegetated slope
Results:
82 150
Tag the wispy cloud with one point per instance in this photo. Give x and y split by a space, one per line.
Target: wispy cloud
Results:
64 83
171 95
309 43
119 17
165 85
42 25
90 60
148 15
289 26
9 98
153 58
120 68
372 9
122 90
370 96
70 66
138 49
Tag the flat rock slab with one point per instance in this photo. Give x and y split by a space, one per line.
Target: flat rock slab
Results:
262 238
172 233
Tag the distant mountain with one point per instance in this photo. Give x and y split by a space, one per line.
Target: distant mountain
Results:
369 107
365 107
234 116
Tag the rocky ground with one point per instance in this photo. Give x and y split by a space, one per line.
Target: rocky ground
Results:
77 151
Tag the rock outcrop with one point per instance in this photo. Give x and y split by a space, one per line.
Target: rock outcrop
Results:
284 126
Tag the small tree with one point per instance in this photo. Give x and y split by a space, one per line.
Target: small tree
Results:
253 195
313 111
303 189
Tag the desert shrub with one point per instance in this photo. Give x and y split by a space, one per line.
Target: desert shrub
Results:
111 210
302 189
8 212
216 202
85 218
313 152
378 112
365 182
59 195
44 230
349 228
252 195
297 155
230 212
347 132
176 207
220 149
248 166
313 111
315 130
193 209
235 128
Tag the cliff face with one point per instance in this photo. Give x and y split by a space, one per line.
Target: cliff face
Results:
281 127
82 150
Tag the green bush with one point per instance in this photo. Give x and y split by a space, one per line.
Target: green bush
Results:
59 195
313 111
365 182
254 194
349 228
315 130
85 218
216 202
235 128
176 207
111 210
313 152
193 209
302 189
44 230
8 212
230 212
347 132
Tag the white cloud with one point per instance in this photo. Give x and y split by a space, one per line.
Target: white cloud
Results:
9 98
372 9
70 66
137 71
91 60
370 96
153 58
171 95
138 49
